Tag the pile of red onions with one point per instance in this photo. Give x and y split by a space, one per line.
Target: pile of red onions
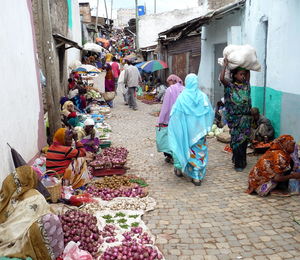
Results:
109 194
81 227
108 234
136 235
131 251
111 157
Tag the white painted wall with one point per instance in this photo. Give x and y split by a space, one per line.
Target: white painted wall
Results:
20 107
75 34
221 31
283 60
151 25
123 16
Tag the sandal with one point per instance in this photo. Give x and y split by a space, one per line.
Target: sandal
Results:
178 173
196 182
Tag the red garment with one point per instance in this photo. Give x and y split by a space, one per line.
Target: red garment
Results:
59 156
83 101
72 115
274 162
72 85
115 69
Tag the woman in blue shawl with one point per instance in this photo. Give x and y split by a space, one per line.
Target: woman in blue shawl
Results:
191 119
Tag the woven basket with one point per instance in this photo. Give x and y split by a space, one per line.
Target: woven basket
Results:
55 190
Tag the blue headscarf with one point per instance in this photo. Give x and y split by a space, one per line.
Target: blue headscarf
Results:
191 119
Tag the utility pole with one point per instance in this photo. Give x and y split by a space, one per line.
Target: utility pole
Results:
96 25
155 6
51 67
137 25
106 9
111 9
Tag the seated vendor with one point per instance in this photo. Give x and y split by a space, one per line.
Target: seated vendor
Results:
273 167
62 157
24 229
160 90
219 113
88 136
69 114
261 127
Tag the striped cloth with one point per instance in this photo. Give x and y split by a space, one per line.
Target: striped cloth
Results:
59 156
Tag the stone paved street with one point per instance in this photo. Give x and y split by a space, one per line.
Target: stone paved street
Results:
216 220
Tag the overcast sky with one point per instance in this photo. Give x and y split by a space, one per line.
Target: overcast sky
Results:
161 5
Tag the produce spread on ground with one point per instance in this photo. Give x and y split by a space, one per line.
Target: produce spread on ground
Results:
105 221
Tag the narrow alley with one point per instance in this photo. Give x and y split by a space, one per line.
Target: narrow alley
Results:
217 220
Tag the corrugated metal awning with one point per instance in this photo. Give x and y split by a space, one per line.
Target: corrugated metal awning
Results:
181 30
65 41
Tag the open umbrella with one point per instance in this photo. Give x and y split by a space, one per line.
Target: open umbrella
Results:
86 68
18 162
154 65
140 64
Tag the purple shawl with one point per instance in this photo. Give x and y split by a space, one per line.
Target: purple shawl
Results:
169 99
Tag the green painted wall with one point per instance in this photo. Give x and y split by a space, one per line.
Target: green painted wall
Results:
273 108
257 96
70 21
273 102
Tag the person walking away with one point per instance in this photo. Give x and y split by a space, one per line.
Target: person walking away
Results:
273 167
261 127
115 66
109 82
191 119
172 92
237 114
121 83
132 79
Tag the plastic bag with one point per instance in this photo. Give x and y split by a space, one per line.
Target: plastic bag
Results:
162 143
140 91
240 56
78 200
72 252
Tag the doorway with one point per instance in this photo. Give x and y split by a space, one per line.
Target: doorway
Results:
218 87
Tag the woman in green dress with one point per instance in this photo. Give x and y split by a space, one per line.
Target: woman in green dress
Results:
238 117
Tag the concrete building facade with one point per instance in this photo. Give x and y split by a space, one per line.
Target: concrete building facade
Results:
21 107
273 30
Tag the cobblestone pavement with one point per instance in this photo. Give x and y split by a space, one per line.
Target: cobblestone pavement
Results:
216 220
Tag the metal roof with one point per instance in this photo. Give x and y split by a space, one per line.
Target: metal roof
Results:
184 29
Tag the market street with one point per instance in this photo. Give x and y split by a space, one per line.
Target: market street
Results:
217 220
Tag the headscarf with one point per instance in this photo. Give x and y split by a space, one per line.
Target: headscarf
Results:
191 119
65 110
281 143
59 136
89 122
14 186
274 162
175 78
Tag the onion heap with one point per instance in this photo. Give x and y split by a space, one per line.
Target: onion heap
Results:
109 194
131 251
108 233
81 227
137 235
113 157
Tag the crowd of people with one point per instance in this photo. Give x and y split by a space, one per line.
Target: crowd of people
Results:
187 115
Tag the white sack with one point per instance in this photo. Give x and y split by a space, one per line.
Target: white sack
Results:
240 56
